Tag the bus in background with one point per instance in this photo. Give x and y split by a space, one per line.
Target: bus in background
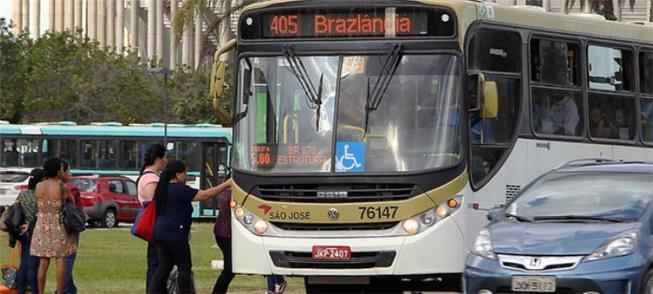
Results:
370 135
113 149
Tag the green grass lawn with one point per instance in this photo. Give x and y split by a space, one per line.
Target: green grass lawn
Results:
113 261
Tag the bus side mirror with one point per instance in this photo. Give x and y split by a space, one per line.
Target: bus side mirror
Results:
218 72
490 98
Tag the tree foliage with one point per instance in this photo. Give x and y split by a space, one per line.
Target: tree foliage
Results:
65 76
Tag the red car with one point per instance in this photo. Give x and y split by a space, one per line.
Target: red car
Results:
108 199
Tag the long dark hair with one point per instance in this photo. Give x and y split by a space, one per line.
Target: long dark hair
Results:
36 176
51 167
153 152
161 193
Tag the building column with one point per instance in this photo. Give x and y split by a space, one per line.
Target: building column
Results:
25 16
102 22
159 31
51 16
198 37
186 47
649 11
133 24
111 23
617 9
546 4
120 25
151 27
59 16
17 17
77 23
91 20
173 38
36 19
69 15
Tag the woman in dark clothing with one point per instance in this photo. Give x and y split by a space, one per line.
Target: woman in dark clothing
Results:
222 231
29 265
173 205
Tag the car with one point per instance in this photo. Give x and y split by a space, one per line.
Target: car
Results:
12 181
108 200
585 227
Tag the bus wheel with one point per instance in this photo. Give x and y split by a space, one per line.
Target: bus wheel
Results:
109 219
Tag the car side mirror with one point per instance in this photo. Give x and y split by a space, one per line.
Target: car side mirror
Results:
493 213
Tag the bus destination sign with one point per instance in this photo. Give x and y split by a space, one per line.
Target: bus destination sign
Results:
387 22
265 156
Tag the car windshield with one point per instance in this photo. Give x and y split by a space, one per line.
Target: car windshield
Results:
389 113
84 185
593 196
13 177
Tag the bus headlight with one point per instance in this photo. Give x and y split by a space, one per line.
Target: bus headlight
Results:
426 219
260 226
248 219
411 226
239 211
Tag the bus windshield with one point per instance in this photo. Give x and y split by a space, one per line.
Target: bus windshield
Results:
397 116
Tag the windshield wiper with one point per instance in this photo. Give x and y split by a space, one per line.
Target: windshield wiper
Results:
388 70
313 96
579 217
519 218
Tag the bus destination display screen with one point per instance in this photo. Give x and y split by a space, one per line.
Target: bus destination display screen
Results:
265 156
386 22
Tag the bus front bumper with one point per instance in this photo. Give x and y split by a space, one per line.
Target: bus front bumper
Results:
437 250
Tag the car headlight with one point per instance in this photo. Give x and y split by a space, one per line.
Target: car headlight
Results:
483 245
624 244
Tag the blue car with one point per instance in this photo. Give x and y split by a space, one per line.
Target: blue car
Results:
586 227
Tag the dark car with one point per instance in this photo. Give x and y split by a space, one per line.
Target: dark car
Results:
108 199
582 228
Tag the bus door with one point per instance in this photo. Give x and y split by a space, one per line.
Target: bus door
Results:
214 162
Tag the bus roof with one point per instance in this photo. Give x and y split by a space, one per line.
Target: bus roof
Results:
470 11
193 131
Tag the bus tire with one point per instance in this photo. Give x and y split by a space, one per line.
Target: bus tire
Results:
109 218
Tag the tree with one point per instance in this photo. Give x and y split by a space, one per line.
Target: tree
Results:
14 67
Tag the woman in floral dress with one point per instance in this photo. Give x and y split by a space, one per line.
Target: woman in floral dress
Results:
50 239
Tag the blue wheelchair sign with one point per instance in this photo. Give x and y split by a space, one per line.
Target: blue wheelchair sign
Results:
350 157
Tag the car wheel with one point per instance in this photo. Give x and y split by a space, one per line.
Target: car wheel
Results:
109 219
648 283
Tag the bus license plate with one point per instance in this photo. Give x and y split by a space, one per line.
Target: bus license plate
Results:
332 252
533 284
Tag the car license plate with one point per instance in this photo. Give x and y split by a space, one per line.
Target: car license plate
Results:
332 252
533 284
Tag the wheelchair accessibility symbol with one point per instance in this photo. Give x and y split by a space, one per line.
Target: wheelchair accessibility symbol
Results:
350 157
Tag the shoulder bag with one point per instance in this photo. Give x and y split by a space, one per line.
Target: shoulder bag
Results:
144 223
73 219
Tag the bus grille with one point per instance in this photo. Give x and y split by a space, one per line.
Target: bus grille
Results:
359 260
336 193
335 227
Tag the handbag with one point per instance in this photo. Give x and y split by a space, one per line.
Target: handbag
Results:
73 219
13 218
144 223
8 283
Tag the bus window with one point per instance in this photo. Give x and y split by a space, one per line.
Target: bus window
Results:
646 73
128 155
495 50
50 148
10 152
88 154
68 151
554 62
107 154
612 117
557 112
29 152
188 152
609 68
647 119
